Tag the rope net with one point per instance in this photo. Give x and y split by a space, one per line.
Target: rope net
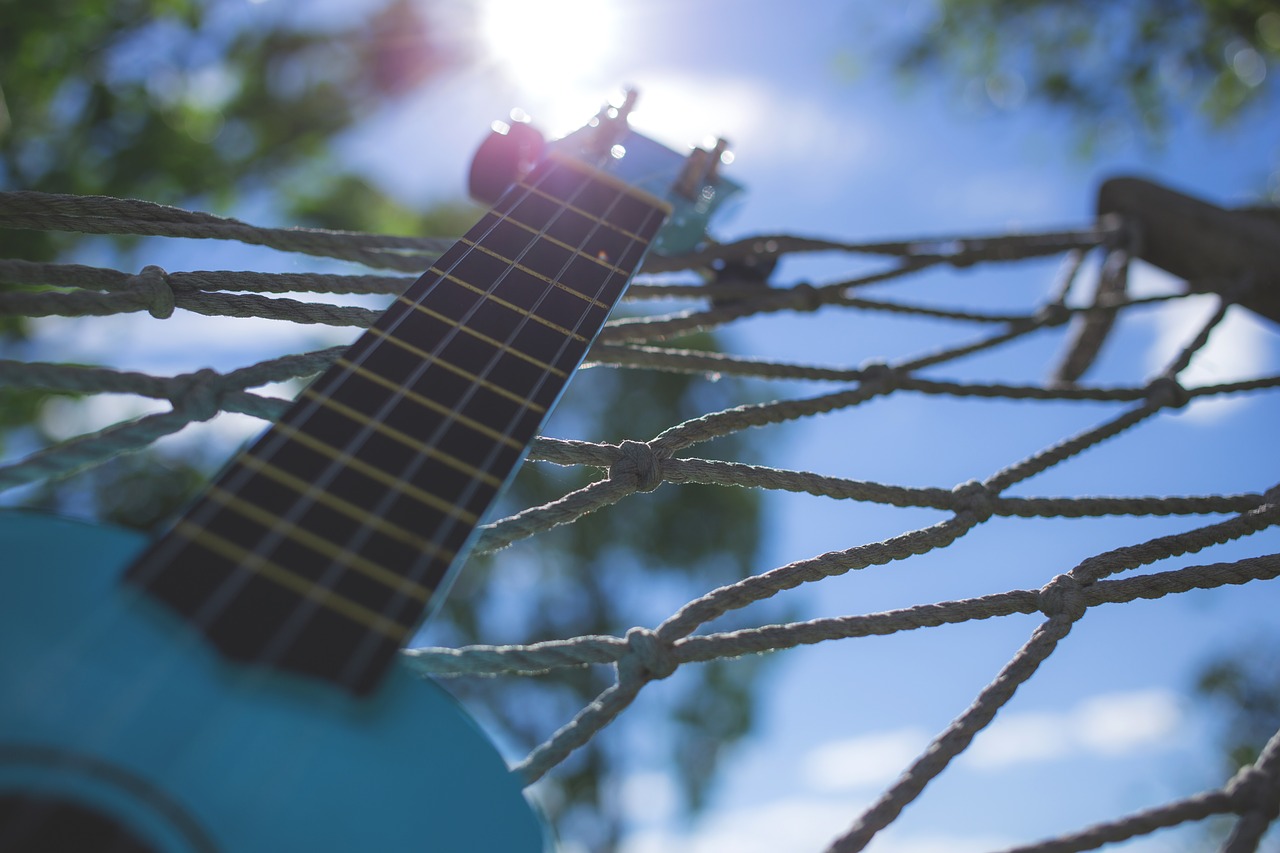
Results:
1058 598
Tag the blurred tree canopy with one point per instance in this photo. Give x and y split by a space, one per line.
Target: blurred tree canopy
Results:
199 101
209 103
1132 62
1244 686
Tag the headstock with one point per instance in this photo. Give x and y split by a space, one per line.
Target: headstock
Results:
691 182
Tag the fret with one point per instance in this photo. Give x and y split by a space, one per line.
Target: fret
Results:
581 233
585 273
560 309
321 595
307 556
417 447
360 466
325 627
586 257
572 308
426 402
379 539
594 194
518 372
539 342
511 306
435 400
300 488
447 325
510 231
417 407
403 501
574 235
506 369
425 416
321 545
413 396
554 268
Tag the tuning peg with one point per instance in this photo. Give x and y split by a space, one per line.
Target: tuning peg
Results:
700 170
506 156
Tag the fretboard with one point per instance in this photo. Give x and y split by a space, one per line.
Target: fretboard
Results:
319 548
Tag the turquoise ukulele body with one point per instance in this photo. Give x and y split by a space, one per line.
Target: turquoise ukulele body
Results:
117 722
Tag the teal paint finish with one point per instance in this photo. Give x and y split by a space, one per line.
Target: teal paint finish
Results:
107 700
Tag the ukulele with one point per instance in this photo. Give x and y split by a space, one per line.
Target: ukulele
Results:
232 686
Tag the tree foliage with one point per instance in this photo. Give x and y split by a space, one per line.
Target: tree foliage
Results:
1133 62
197 102
210 103
1244 686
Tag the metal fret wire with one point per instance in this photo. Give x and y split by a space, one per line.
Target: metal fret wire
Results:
216 604
360 658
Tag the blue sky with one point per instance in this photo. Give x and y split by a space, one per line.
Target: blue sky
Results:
1105 727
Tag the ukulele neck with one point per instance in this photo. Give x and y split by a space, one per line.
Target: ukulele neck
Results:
320 547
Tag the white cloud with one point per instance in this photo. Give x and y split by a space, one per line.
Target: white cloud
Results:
1117 723
1241 347
868 761
648 797
893 842
1110 724
1147 281
1105 725
794 823
772 129
1019 738
797 823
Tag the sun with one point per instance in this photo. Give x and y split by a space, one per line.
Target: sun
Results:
548 43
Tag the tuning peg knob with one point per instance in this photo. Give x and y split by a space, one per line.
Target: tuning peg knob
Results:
506 156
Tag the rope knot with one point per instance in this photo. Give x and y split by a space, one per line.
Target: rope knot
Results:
152 284
1165 392
1253 790
1063 596
1053 314
201 399
647 656
877 377
806 297
637 460
974 498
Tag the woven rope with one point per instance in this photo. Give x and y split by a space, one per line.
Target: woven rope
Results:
646 654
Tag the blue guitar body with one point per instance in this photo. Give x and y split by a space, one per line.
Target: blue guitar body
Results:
110 703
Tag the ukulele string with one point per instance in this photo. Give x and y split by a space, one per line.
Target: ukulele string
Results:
421 566
360 658
287 634
268 447
230 587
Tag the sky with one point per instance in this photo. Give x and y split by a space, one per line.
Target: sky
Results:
829 144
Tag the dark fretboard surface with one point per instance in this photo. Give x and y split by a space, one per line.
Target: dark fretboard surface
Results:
318 549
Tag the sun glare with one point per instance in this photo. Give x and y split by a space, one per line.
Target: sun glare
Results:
549 42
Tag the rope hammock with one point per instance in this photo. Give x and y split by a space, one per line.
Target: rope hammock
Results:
645 654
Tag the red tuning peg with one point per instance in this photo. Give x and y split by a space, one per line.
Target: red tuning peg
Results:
506 156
